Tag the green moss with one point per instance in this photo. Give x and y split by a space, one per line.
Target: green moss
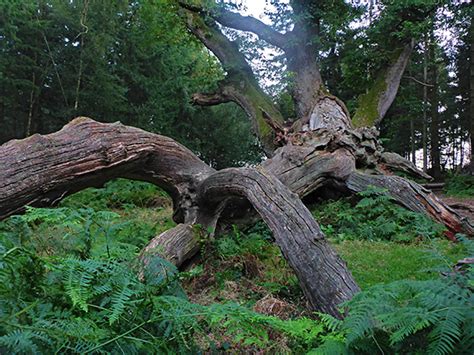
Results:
367 110
258 100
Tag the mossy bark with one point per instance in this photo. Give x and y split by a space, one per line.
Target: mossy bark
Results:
239 84
375 103
367 113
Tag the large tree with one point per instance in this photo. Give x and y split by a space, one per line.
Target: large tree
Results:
320 151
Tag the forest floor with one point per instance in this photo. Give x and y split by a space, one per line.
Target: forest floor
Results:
463 205
381 243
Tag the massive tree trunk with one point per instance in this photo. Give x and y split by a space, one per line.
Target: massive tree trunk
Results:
40 170
321 147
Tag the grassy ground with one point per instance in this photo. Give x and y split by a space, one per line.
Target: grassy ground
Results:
374 262
248 267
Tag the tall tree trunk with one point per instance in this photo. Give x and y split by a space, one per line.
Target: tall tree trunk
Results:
471 97
425 107
29 121
81 55
434 126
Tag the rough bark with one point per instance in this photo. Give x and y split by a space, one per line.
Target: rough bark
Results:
177 245
40 170
323 276
352 161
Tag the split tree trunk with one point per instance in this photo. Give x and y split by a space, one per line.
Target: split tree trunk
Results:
40 170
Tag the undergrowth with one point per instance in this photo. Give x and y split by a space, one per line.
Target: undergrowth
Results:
460 186
434 316
374 217
71 282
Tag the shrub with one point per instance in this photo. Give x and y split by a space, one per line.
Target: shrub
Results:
117 193
374 217
460 185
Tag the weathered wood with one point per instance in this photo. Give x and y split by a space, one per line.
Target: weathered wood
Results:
396 162
434 185
177 245
41 170
87 153
323 276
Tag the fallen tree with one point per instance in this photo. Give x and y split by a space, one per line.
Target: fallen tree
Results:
320 151
41 170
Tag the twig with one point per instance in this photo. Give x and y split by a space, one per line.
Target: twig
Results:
418 81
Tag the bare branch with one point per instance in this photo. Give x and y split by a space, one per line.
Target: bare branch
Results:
418 81
251 24
205 99
243 23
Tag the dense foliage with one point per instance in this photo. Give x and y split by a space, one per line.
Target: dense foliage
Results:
113 61
374 217
71 282
460 185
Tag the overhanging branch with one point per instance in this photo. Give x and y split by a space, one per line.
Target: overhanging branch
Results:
40 170
243 23
239 85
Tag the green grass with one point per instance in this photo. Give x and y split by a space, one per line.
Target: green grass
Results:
374 262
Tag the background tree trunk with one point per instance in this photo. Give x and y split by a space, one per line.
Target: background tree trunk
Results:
434 126
425 107
471 90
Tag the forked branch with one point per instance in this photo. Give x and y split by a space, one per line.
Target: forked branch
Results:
239 85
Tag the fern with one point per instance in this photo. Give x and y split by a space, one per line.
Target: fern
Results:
20 341
374 217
